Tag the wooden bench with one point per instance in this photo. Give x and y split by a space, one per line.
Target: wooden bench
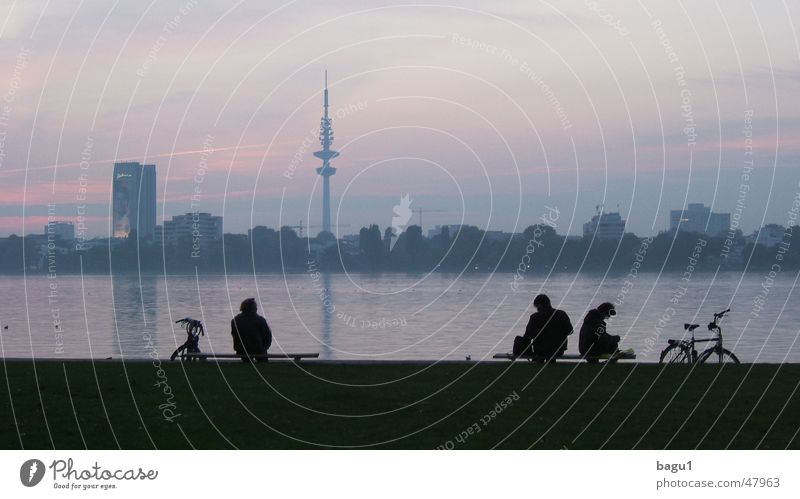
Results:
592 359
202 356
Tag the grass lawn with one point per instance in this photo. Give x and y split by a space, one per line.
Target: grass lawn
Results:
465 406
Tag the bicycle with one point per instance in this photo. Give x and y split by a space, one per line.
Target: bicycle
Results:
683 351
194 329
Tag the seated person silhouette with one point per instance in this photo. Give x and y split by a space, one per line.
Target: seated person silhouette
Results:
594 340
547 329
251 334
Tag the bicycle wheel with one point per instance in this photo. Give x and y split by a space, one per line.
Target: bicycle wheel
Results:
712 355
676 353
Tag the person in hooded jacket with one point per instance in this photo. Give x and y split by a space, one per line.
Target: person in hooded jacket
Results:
251 333
594 340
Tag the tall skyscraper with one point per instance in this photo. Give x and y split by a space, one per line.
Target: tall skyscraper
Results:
326 155
134 198
147 202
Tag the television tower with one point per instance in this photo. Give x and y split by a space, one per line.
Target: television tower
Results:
326 155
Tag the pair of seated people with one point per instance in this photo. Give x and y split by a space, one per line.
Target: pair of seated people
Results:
548 329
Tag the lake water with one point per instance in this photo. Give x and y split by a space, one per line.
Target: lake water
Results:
388 316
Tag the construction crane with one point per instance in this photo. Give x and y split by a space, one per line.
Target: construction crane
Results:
300 227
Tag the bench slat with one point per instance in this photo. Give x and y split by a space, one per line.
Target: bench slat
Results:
202 355
508 356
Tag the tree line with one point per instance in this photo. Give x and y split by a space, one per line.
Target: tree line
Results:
537 250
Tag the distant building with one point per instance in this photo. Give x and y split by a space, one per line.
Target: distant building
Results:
134 198
719 223
489 235
63 230
200 228
436 231
605 226
698 218
770 235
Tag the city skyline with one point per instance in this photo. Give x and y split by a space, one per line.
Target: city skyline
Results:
479 114
612 227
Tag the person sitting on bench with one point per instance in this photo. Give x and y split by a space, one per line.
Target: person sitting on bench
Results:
594 340
547 329
251 334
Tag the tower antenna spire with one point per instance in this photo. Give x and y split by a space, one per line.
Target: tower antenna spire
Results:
326 155
326 94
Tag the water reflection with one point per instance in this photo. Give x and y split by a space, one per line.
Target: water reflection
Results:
354 328
328 313
134 315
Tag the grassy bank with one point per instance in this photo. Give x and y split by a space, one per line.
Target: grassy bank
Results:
280 405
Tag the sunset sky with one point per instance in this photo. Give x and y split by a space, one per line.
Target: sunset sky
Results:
483 112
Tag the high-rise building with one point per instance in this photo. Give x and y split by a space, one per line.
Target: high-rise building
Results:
147 202
134 198
698 218
719 223
326 155
604 226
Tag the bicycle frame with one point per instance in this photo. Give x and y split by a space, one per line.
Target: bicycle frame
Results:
717 339
714 327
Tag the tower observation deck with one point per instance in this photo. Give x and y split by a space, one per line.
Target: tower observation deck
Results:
326 155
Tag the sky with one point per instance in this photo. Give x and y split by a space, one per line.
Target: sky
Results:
487 113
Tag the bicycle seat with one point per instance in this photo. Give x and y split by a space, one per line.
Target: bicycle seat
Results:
691 327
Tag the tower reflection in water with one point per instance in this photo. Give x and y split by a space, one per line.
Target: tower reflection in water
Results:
328 314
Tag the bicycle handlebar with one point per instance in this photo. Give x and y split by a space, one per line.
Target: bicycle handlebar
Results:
192 326
715 323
